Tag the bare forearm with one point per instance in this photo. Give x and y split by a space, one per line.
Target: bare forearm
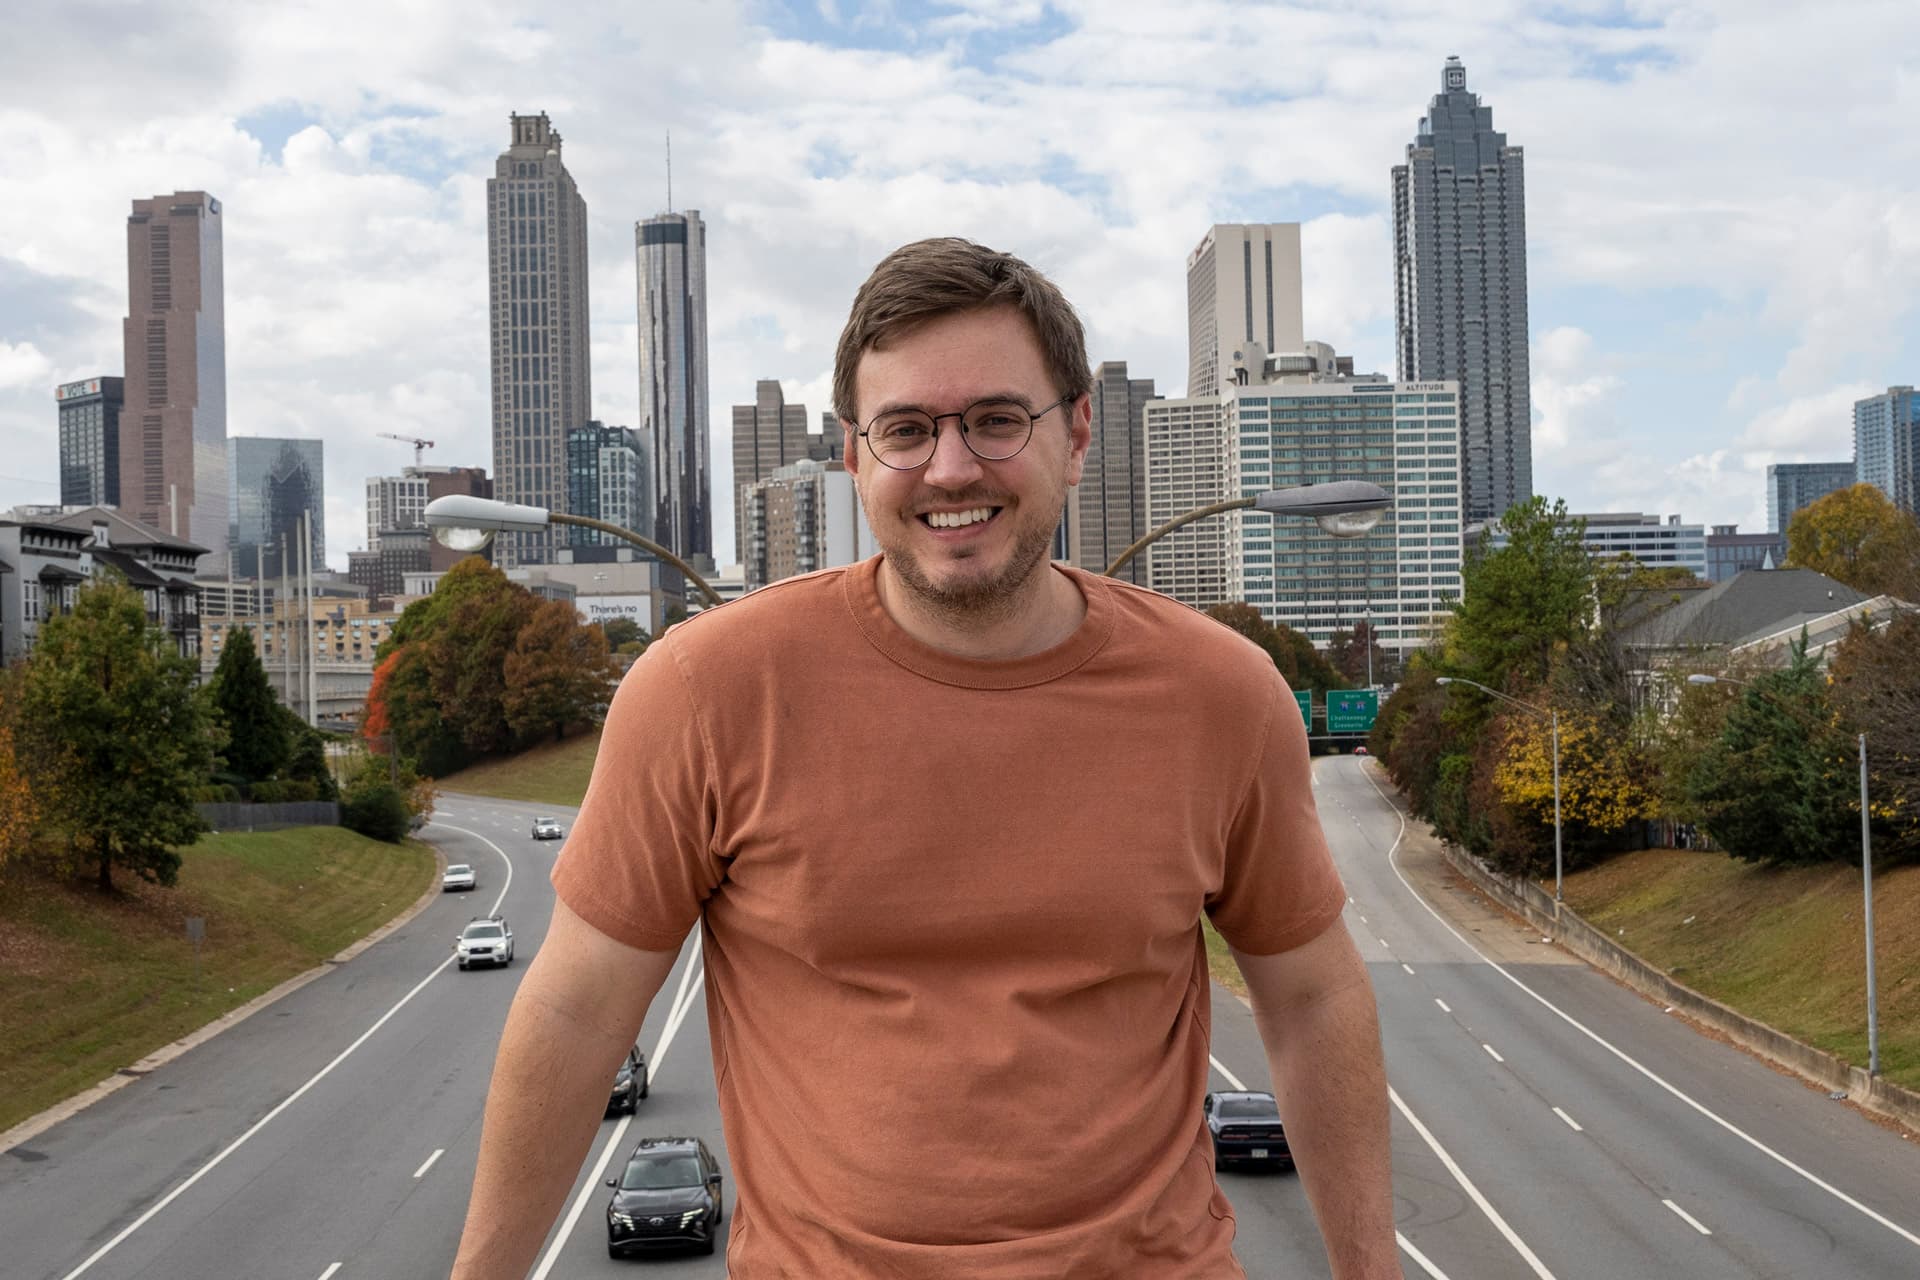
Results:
1331 1085
544 1103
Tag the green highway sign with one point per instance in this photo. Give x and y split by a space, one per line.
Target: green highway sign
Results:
1305 698
1351 710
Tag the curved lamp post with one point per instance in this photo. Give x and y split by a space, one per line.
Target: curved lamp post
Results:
1553 719
1344 508
464 523
1866 858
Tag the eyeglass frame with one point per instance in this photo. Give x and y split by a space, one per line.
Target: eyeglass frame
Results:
1033 416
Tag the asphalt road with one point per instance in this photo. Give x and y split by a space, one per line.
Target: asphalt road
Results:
1548 1122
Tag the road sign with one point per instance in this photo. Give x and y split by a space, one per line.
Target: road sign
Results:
1305 698
1351 710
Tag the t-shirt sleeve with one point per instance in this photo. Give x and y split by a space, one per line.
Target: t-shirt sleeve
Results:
639 864
1279 888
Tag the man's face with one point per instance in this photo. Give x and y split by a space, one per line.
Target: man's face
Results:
976 569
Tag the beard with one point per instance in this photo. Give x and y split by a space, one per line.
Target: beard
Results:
977 598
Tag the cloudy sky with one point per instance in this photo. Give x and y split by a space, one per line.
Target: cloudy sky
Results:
1724 229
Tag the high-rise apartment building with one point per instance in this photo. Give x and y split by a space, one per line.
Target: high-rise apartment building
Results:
1886 445
804 516
90 441
173 429
1110 506
1299 420
271 484
1794 485
1460 286
1243 288
607 479
670 251
400 502
767 435
537 281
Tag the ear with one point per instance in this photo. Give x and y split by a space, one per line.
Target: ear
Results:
850 448
1080 427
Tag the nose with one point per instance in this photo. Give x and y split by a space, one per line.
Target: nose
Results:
953 465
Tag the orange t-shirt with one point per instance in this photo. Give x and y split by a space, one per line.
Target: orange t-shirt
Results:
956 984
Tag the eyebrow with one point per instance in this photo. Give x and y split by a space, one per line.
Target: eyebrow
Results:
1008 397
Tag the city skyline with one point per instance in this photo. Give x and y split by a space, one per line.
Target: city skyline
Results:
1684 333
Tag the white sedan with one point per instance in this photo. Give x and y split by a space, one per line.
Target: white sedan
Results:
459 876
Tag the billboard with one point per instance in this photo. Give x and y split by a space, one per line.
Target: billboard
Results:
77 390
635 605
1352 710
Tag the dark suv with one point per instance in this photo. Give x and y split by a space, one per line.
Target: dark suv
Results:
668 1196
1246 1127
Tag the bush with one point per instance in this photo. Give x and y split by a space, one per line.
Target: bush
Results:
378 809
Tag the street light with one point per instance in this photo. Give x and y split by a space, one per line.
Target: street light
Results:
1553 718
464 523
1866 859
1343 508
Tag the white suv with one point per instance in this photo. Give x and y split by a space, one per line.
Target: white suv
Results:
486 940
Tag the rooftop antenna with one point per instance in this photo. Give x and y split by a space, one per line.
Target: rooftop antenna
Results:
669 171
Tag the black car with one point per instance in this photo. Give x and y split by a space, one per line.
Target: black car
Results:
668 1197
629 1083
1246 1128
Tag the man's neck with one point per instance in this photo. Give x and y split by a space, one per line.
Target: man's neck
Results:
1046 613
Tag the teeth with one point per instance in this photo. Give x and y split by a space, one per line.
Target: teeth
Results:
956 519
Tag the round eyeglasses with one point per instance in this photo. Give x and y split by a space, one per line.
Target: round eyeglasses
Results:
993 430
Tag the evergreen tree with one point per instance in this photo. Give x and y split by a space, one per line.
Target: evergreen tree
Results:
255 722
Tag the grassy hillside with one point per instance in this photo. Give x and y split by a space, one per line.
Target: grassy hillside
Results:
552 773
89 985
1784 946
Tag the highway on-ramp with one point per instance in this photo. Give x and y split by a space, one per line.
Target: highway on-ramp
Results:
1547 1122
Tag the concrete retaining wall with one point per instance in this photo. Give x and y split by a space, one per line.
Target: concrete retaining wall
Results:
1536 905
269 817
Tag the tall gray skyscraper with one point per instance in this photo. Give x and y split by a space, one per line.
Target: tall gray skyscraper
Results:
173 428
1794 485
1460 286
767 435
671 253
537 278
1112 497
1886 445
1243 287
271 483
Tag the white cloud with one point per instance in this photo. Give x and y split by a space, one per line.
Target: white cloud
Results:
24 368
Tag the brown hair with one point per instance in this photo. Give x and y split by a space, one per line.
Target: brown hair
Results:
928 279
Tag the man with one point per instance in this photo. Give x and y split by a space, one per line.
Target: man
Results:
948 821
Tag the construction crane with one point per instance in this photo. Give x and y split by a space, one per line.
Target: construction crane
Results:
419 445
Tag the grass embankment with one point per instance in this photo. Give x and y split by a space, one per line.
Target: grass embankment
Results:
1785 946
89 985
553 773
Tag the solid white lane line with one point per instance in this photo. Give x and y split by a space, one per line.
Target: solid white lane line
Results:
1443 1005
1630 1061
1425 1263
421 1172
1406 966
683 997
290 1099
1227 1075
1493 1053
1571 1122
324 1275
1688 1218
1473 1192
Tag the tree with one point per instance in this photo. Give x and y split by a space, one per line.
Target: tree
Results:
17 808
558 674
307 756
1299 663
1778 785
243 701
1356 654
110 701
1604 785
621 631
1876 686
1522 602
1858 537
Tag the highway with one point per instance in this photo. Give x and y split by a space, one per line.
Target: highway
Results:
1547 1122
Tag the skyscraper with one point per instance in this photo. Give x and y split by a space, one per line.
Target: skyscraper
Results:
1793 485
542 380
1243 287
670 250
767 435
1460 286
90 441
173 436
1112 497
1886 445
271 483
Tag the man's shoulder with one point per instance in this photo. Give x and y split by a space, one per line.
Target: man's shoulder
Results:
761 620
1176 632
